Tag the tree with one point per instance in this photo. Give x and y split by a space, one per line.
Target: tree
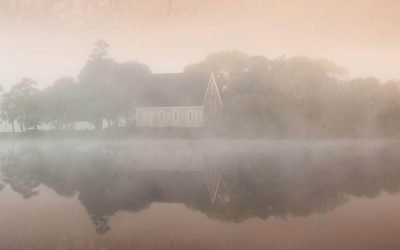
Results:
95 83
108 87
127 79
299 96
63 103
22 105
224 65
8 110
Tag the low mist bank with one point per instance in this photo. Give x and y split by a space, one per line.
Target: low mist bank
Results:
284 97
230 182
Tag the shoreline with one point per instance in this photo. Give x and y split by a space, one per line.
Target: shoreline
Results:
176 135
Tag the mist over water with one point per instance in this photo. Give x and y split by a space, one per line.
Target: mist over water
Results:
209 194
201 124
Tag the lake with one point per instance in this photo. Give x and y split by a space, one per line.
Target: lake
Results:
199 195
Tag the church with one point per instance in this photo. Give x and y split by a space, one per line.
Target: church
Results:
177 100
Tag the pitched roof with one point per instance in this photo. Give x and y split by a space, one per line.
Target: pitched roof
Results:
172 90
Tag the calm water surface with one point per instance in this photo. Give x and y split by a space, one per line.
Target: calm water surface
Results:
200 195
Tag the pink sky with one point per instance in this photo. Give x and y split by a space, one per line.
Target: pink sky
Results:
47 39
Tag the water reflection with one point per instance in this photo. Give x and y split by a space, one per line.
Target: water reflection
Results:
231 184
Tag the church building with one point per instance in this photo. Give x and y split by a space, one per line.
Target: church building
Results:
177 100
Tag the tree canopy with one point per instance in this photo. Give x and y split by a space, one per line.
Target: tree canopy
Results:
280 97
300 96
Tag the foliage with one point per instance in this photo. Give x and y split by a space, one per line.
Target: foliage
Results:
22 104
62 103
106 88
300 96
281 97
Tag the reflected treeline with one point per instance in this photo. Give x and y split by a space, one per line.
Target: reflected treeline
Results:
228 184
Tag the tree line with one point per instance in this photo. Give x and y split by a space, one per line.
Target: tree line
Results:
281 97
102 91
300 96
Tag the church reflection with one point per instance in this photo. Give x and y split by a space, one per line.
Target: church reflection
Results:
227 184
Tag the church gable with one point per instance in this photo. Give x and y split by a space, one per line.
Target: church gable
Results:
212 99
176 100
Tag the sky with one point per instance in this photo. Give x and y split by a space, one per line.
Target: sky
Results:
48 39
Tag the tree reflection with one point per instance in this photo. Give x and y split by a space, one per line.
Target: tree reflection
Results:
229 185
22 179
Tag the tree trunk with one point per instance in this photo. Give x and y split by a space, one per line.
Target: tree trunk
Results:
98 124
21 126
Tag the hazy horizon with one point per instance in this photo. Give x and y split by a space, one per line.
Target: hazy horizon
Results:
279 129
45 40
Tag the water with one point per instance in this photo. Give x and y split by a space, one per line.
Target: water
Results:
199 195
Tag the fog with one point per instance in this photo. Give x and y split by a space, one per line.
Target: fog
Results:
46 39
209 194
199 124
